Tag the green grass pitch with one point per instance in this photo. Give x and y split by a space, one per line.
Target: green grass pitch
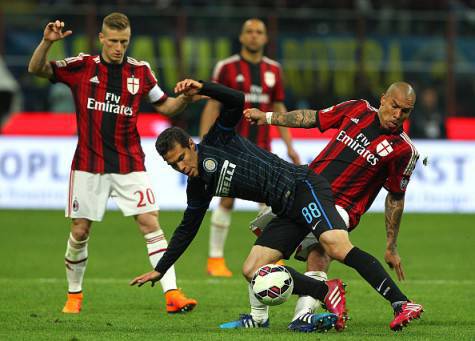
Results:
438 255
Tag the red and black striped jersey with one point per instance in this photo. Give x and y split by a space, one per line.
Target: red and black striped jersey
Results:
107 98
362 157
262 86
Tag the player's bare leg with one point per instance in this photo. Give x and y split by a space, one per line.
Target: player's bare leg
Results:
265 210
76 261
219 228
176 301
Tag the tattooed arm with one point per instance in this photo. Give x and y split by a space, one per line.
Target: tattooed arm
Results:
304 118
394 207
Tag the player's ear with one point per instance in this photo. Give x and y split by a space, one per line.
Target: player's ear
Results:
191 144
240 38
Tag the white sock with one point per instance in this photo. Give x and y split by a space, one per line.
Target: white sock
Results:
75 260
263 209
259 311
307 304
220 222
156 246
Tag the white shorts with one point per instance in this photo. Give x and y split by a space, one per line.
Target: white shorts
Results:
88 194
302 251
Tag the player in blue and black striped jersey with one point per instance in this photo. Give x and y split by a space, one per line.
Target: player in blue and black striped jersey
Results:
227 165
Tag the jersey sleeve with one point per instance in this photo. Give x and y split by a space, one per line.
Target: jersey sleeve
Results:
400 169
154 93
219 74
279 93
232 105
67 70
333 116
198 200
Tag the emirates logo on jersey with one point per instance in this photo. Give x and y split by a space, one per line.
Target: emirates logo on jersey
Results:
358 144
133 85
384 148
111 105
256 96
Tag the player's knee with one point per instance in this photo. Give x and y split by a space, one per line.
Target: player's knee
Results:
318 260
248 271
80 229
227 203
336 243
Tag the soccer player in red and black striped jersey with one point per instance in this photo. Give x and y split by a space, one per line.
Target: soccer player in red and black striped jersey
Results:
109 161
260 79
368 151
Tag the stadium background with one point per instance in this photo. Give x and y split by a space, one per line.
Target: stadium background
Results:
330 52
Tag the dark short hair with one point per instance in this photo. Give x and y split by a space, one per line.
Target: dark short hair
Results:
169 138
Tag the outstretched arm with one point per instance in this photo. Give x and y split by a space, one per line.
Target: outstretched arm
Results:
198 203
302 118
172 106
208 116
187 91
38 65
394 206
232 100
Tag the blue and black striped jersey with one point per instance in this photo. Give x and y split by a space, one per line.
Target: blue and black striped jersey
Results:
231 166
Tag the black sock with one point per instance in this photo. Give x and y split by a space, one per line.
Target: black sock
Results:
307 286
373 272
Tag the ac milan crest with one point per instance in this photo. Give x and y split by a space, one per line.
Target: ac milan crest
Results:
240 78
384 148
133 85
269 79
75 205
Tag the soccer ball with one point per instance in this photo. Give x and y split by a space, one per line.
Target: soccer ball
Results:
272 284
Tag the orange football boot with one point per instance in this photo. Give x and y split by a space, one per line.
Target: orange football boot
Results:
177 302
73 304
280 262
217 268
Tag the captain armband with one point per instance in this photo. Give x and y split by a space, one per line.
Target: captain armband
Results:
269 117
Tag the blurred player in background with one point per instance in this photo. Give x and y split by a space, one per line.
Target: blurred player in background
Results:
369 151
109 161
260 78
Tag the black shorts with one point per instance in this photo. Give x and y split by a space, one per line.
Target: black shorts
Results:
313 210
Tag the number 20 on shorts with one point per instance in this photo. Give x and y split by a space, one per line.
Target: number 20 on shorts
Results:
311 212
143 198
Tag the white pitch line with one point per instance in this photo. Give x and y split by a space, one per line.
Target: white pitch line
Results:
230 281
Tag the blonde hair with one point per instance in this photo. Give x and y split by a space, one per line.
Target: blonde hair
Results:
116 21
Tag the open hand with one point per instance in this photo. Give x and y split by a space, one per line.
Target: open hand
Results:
190 89
152 276
393 259
54 31
255 116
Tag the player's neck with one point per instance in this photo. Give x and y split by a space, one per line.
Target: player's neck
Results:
251 57
107 60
